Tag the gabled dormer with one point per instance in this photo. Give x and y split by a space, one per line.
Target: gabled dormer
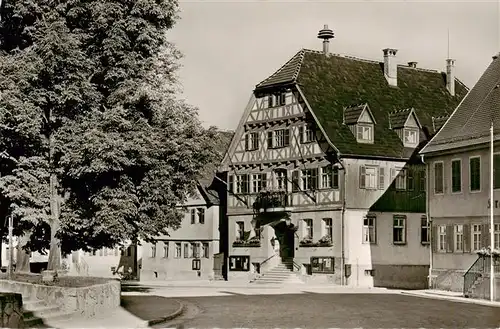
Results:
406 124
361 122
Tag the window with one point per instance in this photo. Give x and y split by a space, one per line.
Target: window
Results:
399 230
230 182
322 264
282 98
425 236
442 238
438 178
370 272
368 177
423 181
496 245
165 249
205 249
239 263
201 215
307 134
327 227
308 228
330 177
240 230
196 264
459 237
195 247
476 237
251 141
278 138
280 179
364 133
153 251
177 250
186 250
309 179
496 171
270 101
410 180
258 182
295 181
193 216
411 137
400 182
242 184
456 176
369 232
475 173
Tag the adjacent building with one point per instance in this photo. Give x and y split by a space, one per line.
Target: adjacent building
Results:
459 202
322 176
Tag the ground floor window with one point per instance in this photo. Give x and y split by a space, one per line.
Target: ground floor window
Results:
205 249
239 263
476 237
442 238
322 264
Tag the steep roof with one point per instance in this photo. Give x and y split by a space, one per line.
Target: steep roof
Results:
438 122
471 121
331 83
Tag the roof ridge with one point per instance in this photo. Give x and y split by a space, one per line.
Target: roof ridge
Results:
297 70
294 77
419 69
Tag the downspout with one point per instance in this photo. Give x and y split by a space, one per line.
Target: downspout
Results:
428 215
342 230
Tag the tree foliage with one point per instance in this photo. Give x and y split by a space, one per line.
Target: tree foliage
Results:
93 136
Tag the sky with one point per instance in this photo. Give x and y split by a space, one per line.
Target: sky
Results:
230 46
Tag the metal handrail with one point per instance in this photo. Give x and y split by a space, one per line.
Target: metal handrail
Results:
265 261
475 272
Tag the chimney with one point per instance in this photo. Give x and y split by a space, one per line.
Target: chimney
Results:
450 76
326 34
412 64
390 66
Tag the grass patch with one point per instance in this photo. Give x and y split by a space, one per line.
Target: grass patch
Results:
62 281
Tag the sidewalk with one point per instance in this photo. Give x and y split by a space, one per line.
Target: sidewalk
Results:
449 295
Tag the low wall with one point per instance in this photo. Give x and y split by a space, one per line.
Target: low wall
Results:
11 313
401 276
86 301
450 280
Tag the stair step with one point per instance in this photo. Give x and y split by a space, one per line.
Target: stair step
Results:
32 322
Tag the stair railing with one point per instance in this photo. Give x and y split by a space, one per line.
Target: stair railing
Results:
474 273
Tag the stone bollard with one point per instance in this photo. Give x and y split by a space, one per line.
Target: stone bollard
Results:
11 310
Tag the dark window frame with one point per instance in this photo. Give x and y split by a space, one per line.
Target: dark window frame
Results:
318 265
239 263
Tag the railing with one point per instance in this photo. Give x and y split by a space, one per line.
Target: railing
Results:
480 268
272 199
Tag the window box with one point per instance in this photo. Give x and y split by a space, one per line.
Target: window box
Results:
271 200
325 241
487 252
253 242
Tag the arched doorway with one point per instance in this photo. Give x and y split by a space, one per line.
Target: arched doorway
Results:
285 233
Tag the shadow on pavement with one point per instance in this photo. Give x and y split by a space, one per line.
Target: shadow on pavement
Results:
149 307
130 287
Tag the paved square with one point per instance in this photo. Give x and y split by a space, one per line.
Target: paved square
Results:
313 310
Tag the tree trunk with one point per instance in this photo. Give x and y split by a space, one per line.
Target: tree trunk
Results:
54 262
23 256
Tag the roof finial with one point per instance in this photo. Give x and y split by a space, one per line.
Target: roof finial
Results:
326 34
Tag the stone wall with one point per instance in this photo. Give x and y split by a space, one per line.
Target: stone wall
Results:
401 276
11 313
85 301
450 280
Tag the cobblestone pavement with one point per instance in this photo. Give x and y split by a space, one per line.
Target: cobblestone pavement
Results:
327 310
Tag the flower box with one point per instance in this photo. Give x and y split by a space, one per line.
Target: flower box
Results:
323 242
253 242
488 252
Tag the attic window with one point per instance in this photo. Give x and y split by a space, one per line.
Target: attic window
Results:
364 133
270 101
282 98
411 137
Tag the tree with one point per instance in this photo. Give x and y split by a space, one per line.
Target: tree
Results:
112 151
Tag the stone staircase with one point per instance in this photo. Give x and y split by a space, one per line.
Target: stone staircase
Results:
280 274
37 314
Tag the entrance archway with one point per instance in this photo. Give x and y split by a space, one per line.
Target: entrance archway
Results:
285 233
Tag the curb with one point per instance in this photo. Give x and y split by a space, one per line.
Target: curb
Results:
171 316
453 299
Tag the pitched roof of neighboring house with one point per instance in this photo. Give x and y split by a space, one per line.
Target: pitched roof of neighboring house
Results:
222 141
470 123
332 83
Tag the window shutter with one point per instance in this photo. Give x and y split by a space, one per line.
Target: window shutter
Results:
411 181
362 176
449 238
193 216
393 175
335 178
295 180
485 235
381 178
247 137
263 178
287 136
246 183
301 134
314 179
270 139
434 238
255 140
231 183
467 235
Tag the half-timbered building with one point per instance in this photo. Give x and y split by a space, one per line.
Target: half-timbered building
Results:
458 159
320 183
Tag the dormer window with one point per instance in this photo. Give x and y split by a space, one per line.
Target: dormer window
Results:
411 137
406 124
365 133
361 122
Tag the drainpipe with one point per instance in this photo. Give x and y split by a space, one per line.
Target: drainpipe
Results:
342 230
428 215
